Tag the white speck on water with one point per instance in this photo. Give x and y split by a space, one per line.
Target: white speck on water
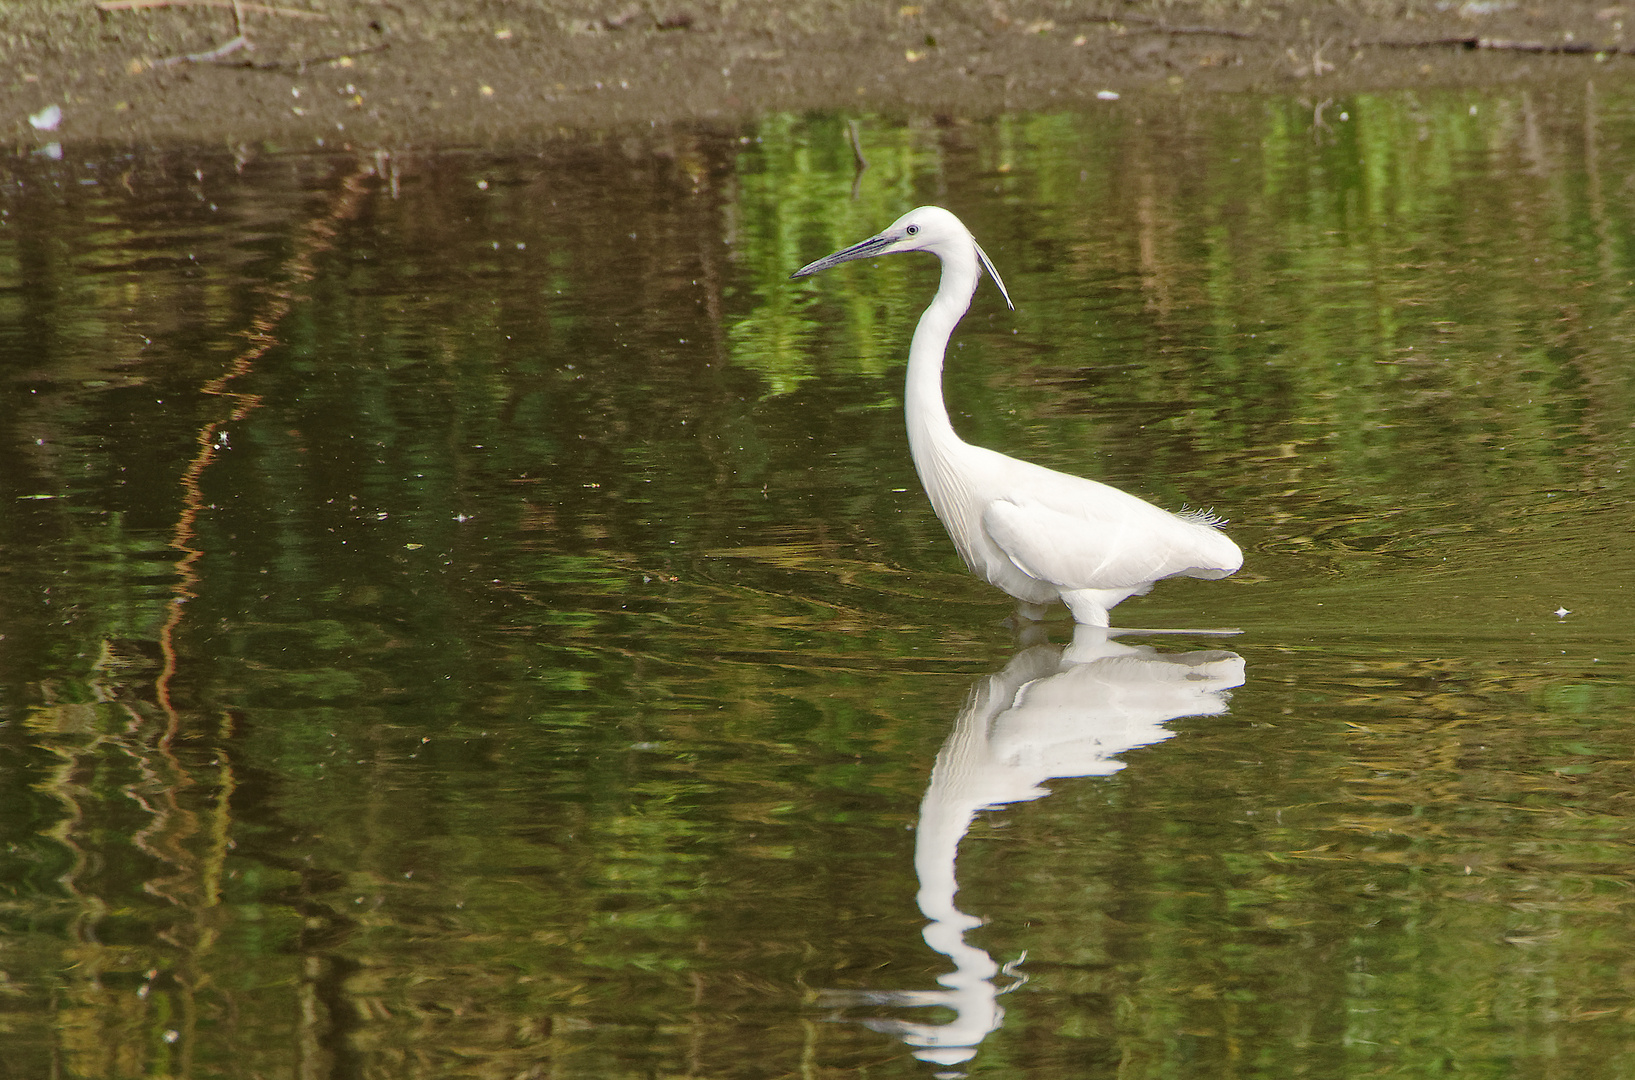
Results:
47 118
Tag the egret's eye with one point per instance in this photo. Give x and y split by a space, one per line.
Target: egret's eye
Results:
912 229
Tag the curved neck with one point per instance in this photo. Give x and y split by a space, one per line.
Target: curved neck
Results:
922 396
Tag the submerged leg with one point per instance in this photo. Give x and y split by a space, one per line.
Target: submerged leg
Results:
1031 612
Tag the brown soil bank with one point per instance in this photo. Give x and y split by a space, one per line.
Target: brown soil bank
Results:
373 72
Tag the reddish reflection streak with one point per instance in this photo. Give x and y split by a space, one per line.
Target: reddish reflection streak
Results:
317 237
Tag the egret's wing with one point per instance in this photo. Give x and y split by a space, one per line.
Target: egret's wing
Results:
1125 547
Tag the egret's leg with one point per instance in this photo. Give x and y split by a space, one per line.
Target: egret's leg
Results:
1089 606
1031 612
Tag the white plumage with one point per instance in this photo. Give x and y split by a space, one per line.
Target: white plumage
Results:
1038 534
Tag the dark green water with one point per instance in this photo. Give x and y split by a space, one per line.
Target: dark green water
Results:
471 614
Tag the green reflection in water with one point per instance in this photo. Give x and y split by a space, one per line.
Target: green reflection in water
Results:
472 613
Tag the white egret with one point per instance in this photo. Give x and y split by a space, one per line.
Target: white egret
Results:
1038 534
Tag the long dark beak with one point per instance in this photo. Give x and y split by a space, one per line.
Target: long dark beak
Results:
867 249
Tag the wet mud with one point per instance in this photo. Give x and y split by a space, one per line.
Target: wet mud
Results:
335 73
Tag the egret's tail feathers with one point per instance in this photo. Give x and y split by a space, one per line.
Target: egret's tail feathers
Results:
1201 516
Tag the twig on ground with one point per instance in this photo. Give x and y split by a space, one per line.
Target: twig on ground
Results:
1159 26
1501 45
239 40
208 56
259 9
1573 48
306 61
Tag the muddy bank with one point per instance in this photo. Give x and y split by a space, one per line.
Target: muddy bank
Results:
397 72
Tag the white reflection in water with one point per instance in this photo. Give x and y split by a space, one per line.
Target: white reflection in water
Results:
1050 713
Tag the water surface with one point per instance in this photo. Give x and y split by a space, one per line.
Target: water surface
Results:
470 613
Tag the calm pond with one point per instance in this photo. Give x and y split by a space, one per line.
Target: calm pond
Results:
470 613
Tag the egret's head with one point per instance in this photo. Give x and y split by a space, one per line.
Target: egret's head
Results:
925 228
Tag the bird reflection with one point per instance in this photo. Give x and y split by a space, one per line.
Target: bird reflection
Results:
1052 712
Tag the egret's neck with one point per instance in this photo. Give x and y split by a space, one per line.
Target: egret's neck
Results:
922 399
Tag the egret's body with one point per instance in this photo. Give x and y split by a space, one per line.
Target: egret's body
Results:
1038 534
